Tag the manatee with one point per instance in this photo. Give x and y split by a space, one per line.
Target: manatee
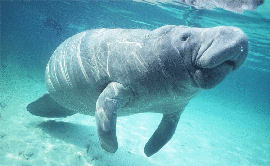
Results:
108 73
233 5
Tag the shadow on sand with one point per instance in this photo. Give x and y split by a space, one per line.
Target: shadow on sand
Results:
75 134
86 137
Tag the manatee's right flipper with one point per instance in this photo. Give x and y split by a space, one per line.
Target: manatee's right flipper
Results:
47 107
163 133
113 97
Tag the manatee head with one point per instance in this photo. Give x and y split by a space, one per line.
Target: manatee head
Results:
210 54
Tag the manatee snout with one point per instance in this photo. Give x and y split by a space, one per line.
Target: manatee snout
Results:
222 45
222 50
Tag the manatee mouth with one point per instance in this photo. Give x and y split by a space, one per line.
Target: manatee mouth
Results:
207 78
231 63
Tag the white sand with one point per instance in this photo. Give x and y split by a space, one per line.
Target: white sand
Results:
211 132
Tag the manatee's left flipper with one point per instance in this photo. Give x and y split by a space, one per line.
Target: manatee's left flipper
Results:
163 133
113 97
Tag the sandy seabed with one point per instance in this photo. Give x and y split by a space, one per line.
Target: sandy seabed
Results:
208 134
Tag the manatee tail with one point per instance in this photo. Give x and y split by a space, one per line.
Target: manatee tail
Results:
45 106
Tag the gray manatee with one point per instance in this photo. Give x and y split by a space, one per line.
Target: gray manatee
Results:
117 72
234 5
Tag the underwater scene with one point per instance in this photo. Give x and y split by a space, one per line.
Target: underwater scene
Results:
135 83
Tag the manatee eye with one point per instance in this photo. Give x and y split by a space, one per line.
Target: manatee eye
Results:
185 37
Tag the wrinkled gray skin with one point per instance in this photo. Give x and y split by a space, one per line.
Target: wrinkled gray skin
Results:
118 72
234 5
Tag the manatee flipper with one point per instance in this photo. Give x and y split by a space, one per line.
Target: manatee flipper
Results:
113 97
45 106
163 133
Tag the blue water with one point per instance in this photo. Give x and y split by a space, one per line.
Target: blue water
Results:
227 125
